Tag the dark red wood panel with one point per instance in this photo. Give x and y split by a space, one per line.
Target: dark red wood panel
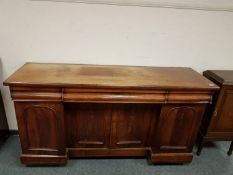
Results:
88 124
222 120
177 128
131 124
41 127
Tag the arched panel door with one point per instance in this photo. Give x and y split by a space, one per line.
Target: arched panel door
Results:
178 127
41 127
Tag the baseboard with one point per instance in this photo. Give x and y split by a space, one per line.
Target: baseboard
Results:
14 132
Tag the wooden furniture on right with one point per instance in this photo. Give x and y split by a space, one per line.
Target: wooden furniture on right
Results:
217 125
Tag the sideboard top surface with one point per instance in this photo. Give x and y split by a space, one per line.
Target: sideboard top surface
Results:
78 75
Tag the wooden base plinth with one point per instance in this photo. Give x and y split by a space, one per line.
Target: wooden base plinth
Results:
171 158
154 158
105 152
31 160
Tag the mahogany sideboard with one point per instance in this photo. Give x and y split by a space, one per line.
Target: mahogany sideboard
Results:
68 110
218 122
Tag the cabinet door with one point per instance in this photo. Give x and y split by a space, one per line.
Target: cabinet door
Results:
178 127
131 124
88 125
41 127
222 119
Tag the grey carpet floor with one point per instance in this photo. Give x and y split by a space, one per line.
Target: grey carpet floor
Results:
213 161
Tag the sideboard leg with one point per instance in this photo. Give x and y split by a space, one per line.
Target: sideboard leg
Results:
200 146
230 149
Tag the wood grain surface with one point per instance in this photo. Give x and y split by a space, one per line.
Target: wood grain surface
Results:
76 75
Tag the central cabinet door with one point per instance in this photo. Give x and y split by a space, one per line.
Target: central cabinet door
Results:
131 124
92 125
88 125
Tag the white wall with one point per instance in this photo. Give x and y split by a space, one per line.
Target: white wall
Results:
104 34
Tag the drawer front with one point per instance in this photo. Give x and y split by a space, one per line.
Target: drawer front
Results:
112 96
135 96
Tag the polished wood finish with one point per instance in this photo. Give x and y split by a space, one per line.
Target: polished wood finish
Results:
178 127
40 124
172 157
74 75
66 110
218 123
176 133
88 125
130 124
34 159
